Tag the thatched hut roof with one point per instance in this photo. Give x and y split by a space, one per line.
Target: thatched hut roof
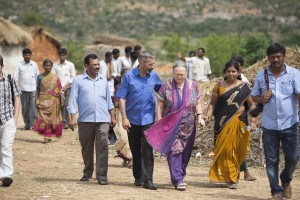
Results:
41 31
11 34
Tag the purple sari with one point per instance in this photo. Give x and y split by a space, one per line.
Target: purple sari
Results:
162 135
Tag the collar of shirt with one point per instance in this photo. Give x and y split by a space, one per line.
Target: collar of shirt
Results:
136 72
25 63
4 76
287 70
86 76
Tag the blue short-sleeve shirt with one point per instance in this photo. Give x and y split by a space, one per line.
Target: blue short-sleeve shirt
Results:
138 92
281 112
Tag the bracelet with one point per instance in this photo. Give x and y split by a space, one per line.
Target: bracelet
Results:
199 114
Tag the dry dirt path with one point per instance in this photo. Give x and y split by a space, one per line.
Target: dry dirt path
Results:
52 171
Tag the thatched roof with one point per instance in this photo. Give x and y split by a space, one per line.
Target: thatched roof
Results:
38 31
11 34
114 40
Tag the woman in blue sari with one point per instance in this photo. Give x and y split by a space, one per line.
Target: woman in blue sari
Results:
178 109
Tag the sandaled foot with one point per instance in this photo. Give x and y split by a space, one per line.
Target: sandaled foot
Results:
232 186
180 187
248 177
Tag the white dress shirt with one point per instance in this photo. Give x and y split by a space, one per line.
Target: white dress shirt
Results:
26 74
118 66
125 62
65 72
136 63
111 82
201 68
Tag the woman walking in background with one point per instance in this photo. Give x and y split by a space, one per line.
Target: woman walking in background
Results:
232 138
48 103
178 112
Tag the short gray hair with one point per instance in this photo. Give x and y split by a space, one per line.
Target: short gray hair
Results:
179 63
145 55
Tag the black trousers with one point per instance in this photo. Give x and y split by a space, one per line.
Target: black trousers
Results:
142 153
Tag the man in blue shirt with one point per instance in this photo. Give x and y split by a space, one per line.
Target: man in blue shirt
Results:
279 118
137 106
90 93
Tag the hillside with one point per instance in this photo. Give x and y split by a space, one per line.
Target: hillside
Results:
145 20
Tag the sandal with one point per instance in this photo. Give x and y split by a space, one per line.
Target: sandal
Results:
180 187
232 186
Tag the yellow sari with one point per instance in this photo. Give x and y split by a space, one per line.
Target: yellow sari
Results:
233 141
49 118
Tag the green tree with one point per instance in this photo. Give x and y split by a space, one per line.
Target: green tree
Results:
76 54
33 18
174 44
219 49
255 47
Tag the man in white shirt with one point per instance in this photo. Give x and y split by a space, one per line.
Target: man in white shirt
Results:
126 61
190 66
201 65
134 59
65 70
117 61
107 70
25 74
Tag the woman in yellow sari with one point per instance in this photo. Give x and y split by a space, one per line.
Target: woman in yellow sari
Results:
227 105
48 103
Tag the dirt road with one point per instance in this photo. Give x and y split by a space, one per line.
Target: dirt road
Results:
52 171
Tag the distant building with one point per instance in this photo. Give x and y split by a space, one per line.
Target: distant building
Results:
44 45
12 41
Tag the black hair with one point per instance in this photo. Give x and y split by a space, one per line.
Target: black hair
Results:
26 51
128 49
62 51
275 48
108 54
235 64
137 47
115 51
90 57
46 61
239 59
192 52
201 48
134 55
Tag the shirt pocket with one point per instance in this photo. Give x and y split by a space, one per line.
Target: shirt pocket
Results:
286 87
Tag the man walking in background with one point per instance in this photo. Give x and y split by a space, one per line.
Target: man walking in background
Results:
107 69
26 73
9 113
190 66
65 70
125 60
117 61
201 70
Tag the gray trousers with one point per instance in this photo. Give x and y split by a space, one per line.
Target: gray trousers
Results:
65 113
28 108
94 135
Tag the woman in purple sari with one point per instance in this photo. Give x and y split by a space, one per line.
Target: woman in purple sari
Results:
173 135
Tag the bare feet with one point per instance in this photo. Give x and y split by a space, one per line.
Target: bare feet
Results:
248 177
